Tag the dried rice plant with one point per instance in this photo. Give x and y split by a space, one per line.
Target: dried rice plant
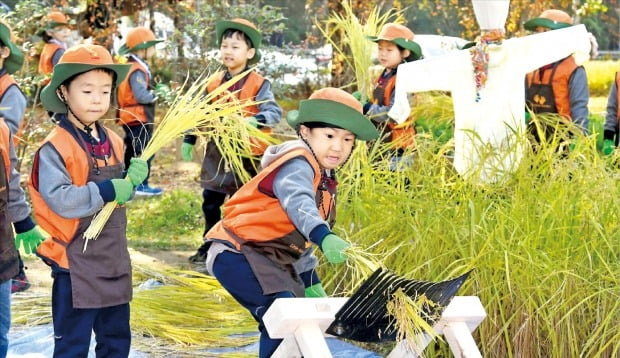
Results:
353 45
409 320
190 111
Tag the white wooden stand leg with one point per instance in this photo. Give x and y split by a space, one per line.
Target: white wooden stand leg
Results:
301 322
311 341
460 340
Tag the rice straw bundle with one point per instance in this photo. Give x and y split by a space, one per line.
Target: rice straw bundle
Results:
190 309
357 55
410 325
189 111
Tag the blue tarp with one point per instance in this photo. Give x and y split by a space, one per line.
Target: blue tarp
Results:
38 342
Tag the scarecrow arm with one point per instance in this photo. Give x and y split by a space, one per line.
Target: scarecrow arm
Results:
423 75
537 50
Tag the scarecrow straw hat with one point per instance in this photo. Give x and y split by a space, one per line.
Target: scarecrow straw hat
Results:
138 38
76 60
16 59
335 107
551 19
401 36
245 26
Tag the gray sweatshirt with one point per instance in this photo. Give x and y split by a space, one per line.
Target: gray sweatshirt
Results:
293 186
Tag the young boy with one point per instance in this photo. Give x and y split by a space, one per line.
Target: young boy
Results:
12 109
55 33
395 46
136 99
13 206
239 44
560 87
76 171
270 223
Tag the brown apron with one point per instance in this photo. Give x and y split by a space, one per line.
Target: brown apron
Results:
216 175
9 264
101 276
272 261
540 96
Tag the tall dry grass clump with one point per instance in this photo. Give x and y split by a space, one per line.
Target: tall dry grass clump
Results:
544 243
353 46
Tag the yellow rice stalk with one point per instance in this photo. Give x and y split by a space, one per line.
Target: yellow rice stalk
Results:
353 45
190 309
410 326
189 111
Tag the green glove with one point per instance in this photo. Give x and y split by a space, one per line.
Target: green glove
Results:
608 146
315 290
187 152
528 118
357 95
30 240
138 171
252 121
122 190
333 248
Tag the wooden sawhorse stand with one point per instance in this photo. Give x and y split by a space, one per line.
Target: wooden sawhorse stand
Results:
301 323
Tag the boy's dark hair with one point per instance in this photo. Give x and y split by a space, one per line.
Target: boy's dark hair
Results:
46 37
411 56
68 81
229 33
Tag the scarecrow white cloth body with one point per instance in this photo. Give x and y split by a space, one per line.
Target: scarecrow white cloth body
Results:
487 131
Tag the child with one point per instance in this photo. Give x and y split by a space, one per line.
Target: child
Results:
239 43
560 87
77 170
14 208
271 222
395 46
136 99
612 118
12 109
55 33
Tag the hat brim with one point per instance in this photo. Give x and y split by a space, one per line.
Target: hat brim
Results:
532 24
64 71
15 60
336 114
412 46
124 50
253 34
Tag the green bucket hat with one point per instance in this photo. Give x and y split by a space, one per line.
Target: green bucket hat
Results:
245 26
335 107
551 19
138 38
78 59
16 58
401 36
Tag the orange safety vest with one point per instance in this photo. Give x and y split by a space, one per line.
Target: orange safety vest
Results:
46 67
402 135
5 135
7 81
559 83
130 111
251 85
254 214
61 229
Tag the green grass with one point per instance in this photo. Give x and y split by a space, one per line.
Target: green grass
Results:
172 222
600 76
544 244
